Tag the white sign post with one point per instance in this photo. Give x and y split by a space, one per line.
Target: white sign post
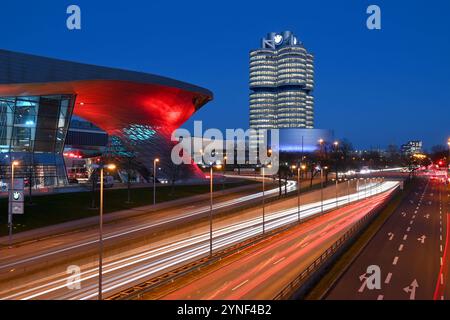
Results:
15 203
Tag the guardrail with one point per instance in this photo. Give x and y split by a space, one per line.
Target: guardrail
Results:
294 285
147 286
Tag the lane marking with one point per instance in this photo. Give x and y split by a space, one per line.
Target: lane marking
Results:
405 237
395 261
408 229
279 260
380 297
400 248
239 285
304 245
388 278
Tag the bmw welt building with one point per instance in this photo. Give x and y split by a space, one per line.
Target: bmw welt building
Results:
39 96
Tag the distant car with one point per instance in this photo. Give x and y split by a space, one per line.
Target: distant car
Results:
108 181
72 181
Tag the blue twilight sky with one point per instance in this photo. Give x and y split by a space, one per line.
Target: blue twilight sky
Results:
372 87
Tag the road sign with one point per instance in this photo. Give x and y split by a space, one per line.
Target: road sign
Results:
3 187
17 208
16 197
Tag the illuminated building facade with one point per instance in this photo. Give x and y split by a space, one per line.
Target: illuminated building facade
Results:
281 83
39 95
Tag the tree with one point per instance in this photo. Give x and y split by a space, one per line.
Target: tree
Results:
438 152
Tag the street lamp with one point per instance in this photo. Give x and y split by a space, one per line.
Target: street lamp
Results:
100 260
348 191
154 180
357 186
263 198
298 189
448 156
365 186
10 216
217 166
224 171
321 187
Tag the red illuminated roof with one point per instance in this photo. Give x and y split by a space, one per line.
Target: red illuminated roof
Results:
115 104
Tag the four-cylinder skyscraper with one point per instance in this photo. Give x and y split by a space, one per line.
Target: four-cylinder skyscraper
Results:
281 83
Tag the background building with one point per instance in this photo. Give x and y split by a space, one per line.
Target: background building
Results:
411 147
134 110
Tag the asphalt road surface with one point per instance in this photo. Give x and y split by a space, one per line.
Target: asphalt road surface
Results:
411 251
135 261
264 272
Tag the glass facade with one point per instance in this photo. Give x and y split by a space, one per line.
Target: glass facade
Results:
33 130
281 83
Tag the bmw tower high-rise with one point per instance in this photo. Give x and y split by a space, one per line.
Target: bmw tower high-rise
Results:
281 83
281 86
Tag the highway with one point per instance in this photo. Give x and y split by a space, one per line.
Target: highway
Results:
263 271
411 250
138 262
121 229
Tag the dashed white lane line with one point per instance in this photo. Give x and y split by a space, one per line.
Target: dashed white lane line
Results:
388 278
279 260
411 222
304 245
441 261
405 237
442 278
380 297
440 247
395 261
239 285
400 248
408 229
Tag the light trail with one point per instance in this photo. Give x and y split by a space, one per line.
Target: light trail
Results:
291 185
134 269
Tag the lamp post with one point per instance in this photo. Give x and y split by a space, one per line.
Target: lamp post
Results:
224 171
154 180
336 148
357 187
336 188
263 198
10 216
100 255
448 156
365 186
302 167
298 189
218 166
321 187
348 191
